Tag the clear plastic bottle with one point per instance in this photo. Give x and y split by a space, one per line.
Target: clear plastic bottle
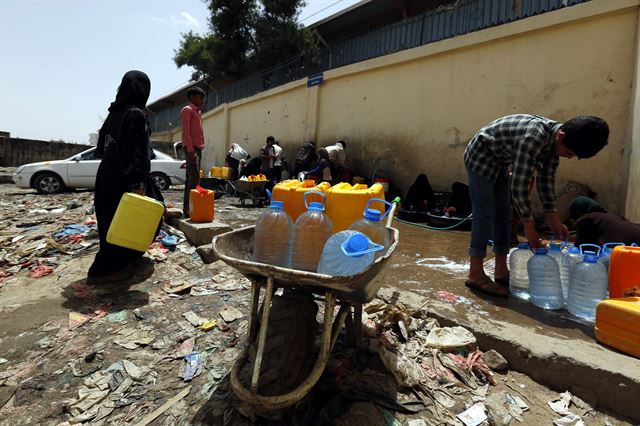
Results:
347 253
272 240
605 255
519 277
555 251
373 227
310 234
589 286
545 288
574 256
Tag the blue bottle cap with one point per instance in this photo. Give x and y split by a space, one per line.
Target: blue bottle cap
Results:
277 205
590 257
574 250
541 250
523 246
555 247
315 206
357 243
372 215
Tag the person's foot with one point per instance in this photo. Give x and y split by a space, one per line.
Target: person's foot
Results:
112 278
486 285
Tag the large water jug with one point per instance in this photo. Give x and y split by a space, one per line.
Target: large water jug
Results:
555 251
272 239
605 254
518 275
347 253
544 281
310 234
589 286
345 203
372 225
574 255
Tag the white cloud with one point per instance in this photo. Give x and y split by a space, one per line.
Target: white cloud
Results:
185 20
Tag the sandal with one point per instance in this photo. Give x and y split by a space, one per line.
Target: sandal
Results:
504 282
486 285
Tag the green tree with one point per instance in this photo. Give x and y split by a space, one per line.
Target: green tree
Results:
279 36
224 51
243 38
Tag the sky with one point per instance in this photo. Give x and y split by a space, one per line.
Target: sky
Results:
61 60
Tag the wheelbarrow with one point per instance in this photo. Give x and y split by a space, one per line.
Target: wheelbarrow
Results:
253 190
272 379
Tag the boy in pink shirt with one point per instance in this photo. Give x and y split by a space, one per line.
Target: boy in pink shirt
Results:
192 140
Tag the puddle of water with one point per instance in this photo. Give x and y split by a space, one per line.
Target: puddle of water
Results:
443 263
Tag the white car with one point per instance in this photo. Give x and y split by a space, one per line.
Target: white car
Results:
80 171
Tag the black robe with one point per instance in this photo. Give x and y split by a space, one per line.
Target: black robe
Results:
123 145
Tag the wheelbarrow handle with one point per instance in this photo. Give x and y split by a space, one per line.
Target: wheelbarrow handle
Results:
392 211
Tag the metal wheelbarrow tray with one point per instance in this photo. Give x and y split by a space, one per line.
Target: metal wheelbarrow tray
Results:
251 189
235 248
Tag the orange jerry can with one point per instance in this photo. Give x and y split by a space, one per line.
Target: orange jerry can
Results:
624 272
291 193
201 203
618 324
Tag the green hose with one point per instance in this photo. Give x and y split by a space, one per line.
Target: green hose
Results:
433 227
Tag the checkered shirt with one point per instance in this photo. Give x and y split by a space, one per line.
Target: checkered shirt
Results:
521 144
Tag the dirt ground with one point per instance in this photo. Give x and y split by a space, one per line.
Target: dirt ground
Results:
114 354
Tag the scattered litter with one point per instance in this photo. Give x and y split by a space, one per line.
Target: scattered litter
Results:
445 296
450 338
177 287
208 325
40 271
132 339
200 291
570 420
192 366
405 371
230 314
164 407
194 318
77 319
118 317
561 405
474 415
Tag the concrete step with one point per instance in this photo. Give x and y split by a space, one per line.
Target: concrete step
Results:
589 370
200 234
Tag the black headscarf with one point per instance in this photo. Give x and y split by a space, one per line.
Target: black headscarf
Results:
420 195
134 90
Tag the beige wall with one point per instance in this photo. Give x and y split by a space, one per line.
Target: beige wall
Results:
414 111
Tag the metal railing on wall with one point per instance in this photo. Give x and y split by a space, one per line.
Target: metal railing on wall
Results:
459 17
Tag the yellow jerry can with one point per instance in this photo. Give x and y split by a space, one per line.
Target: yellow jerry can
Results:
346 203
291 193
135 222
618 324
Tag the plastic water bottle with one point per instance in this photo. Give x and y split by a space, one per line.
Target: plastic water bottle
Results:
555 251
347 253
545 288
519 277
605 254
373 227
574 256
589 285
272 240
310 234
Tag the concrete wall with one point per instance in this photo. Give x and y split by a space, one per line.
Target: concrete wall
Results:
15 152
415 110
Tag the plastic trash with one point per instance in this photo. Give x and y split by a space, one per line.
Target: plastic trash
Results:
519 277
605 254
555 251
450 338
406 372
589 285
372 225
272 242
545 288
347 253
310 234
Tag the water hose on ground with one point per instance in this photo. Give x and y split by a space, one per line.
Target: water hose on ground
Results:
433 228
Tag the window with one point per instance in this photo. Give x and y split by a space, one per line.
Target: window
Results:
91 155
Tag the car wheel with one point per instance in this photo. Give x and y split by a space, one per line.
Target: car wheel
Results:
48 183
161 181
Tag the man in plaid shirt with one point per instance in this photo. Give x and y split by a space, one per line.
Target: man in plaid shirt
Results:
519 145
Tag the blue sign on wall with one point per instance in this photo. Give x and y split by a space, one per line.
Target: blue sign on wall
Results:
315 80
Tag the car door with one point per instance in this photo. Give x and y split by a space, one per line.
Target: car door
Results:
82 169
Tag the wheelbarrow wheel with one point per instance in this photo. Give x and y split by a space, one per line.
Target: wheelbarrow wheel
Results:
289 343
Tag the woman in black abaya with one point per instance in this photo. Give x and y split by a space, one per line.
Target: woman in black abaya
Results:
123 145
